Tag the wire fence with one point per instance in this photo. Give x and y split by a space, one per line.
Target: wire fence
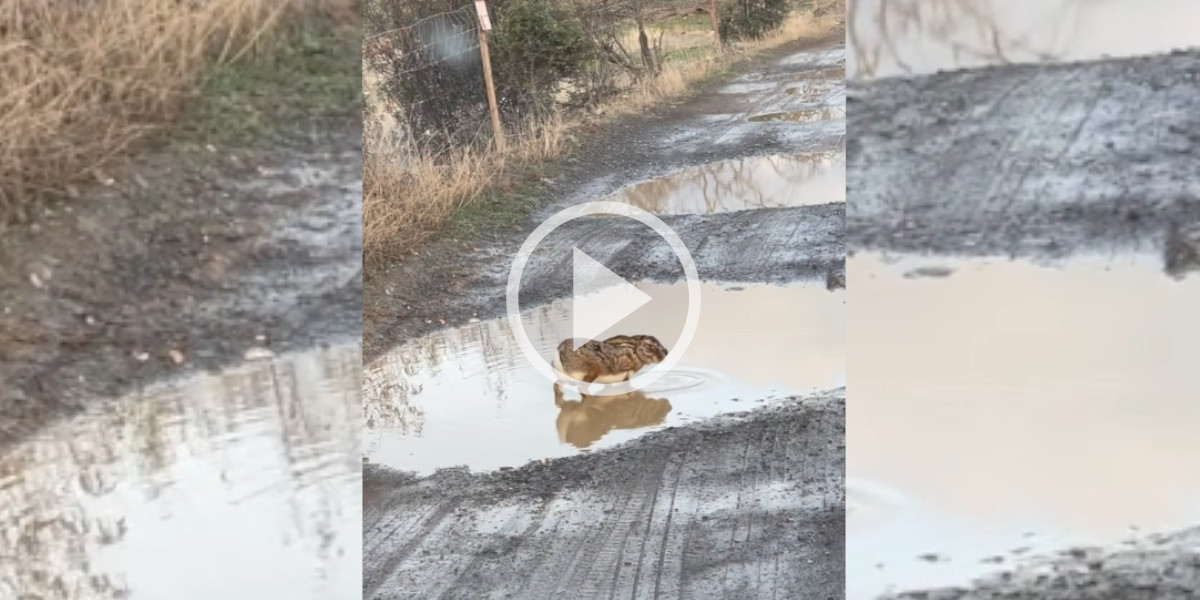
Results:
427 74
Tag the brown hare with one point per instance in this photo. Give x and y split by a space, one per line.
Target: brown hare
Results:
613 360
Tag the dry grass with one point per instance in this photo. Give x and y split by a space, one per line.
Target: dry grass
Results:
408 197
83 80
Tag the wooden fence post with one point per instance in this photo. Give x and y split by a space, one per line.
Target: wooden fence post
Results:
485 25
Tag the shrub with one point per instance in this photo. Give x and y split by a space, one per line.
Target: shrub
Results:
537 44
432 69
752 19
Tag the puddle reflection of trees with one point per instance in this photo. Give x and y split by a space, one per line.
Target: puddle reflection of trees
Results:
57 509
885 35
749 183
486 349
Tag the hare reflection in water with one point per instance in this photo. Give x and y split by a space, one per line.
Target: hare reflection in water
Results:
582 423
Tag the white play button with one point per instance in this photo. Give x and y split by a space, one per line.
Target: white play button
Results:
600 298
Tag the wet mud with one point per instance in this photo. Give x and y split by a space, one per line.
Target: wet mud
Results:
1030 161
797 116
468 396
743 184
183 263
1165 567
239 484
1080 174
745 506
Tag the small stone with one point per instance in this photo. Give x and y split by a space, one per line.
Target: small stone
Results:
141 356
176 356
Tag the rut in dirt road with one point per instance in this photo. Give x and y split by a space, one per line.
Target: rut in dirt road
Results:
1031 160
752 509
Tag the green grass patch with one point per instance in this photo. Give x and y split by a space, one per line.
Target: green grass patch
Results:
497 211
693 22
306 79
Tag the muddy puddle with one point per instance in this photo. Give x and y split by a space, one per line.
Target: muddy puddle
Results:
743 184
1005 410
241 485
468 397
899 37
806 115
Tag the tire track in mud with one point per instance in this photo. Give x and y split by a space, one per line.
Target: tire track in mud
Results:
665 517
809 246
605 571
412 537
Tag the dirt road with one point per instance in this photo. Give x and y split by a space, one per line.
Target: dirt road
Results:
453 281
186 260
1039 162
1034 161
736 507
751 506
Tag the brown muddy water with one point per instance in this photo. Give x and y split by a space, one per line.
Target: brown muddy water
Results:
806 115
900 37
468 396
1006 410
743 184
245 484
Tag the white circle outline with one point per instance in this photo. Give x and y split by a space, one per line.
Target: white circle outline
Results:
664 231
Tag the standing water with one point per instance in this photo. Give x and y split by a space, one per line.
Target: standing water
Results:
245 484
468 396
1004 410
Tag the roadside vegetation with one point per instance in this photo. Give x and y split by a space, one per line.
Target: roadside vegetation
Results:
84 85
559 66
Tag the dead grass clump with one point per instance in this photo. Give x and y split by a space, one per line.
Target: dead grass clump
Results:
81 81
409 195
405 201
